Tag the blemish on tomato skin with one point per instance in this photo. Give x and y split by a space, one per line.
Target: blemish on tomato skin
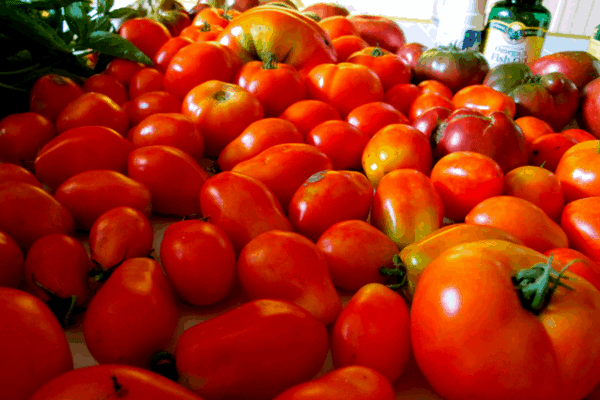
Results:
316 177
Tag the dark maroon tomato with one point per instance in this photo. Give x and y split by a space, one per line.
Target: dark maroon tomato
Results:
28 213
578 66
431 119
90 194
173 177
81 149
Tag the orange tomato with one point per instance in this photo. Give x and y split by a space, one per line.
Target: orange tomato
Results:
372 117
579 171
485 100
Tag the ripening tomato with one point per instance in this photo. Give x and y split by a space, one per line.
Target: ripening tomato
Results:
92 109
167 51
146 80
12 270
463 179
307 114
579 264
374 315
290 343
132 316
123 70
22 136
37 349
51 93
199 261
173 177
372 117
390 69
146 34
579 171
581 222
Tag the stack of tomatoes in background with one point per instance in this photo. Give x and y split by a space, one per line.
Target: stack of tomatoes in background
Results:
261 202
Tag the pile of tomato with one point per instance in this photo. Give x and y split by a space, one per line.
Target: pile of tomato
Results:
335 196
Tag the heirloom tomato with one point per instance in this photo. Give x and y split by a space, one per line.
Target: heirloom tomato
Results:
307 114
22 135
590 108
342 142
410 53
482 315
581 222
372 117
379 31
579 170
92 109
267 345
579 264
12 261
579 66
215 16
146 34
338 25
37 349
430 121
390 69
51 93
324 10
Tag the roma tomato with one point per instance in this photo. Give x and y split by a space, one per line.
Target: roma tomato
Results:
394 147
146 80
221 111
485 100
29 213
540 232
307 114
548 150
276 85
169 129
373 330
173 177
107 85
81 149
241 206
119 234
579 264
354 382
581 222
51 93
12 261
372 117
146 34
406 206
328 197
579 170
347 45
463 349
167 51
258 136
92 109
199 261
355 252
132 316
464 179
290 343
390 69
287 266
537 185
123 70
90 194
38 352
342 142
345 86
150 103
23 135
284 167
106 381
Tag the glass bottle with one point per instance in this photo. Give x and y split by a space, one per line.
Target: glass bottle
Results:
594 47
515 31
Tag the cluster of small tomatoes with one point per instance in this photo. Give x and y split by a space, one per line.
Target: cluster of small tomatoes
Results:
288 194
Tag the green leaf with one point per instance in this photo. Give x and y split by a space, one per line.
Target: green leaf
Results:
104 6
102 23
117 46
124 12
78 19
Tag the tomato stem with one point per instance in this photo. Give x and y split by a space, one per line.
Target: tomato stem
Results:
536 285
163 363
205 27
270 62
377 52
62 307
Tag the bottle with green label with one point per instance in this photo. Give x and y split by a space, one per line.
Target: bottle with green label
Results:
515 31
594 47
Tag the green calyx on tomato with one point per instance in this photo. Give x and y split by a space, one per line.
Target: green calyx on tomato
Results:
62 308
399 272
222 95
533 285
377 52
205 27
163 363
270 61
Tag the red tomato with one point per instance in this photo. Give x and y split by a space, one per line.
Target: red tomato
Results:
183 74
284 167
394 147
579 134
119 234
204 33
12 260
464 179
540 232
338 25
464 349
290 343
92 109
581 265
579 171
402 96
355 382
22 137
150 103
328 197
241 206
146 34
375 314
533 128
199 261
342 142
14 172
29 213
123 70
38 350
432 119
485 100
537 185
169 129
427 101
51 93
433 86
406 206
173 177
106 381
167 51
581 222
81 149
355 252
215 16
90 194
276 85
258 136
390 69
107 85
146 80
372 117
548 149
307 114
221 111
345 86
347 45
132 316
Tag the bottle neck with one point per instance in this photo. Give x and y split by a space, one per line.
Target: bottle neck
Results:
526 2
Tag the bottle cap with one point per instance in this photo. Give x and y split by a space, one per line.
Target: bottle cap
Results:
459 22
